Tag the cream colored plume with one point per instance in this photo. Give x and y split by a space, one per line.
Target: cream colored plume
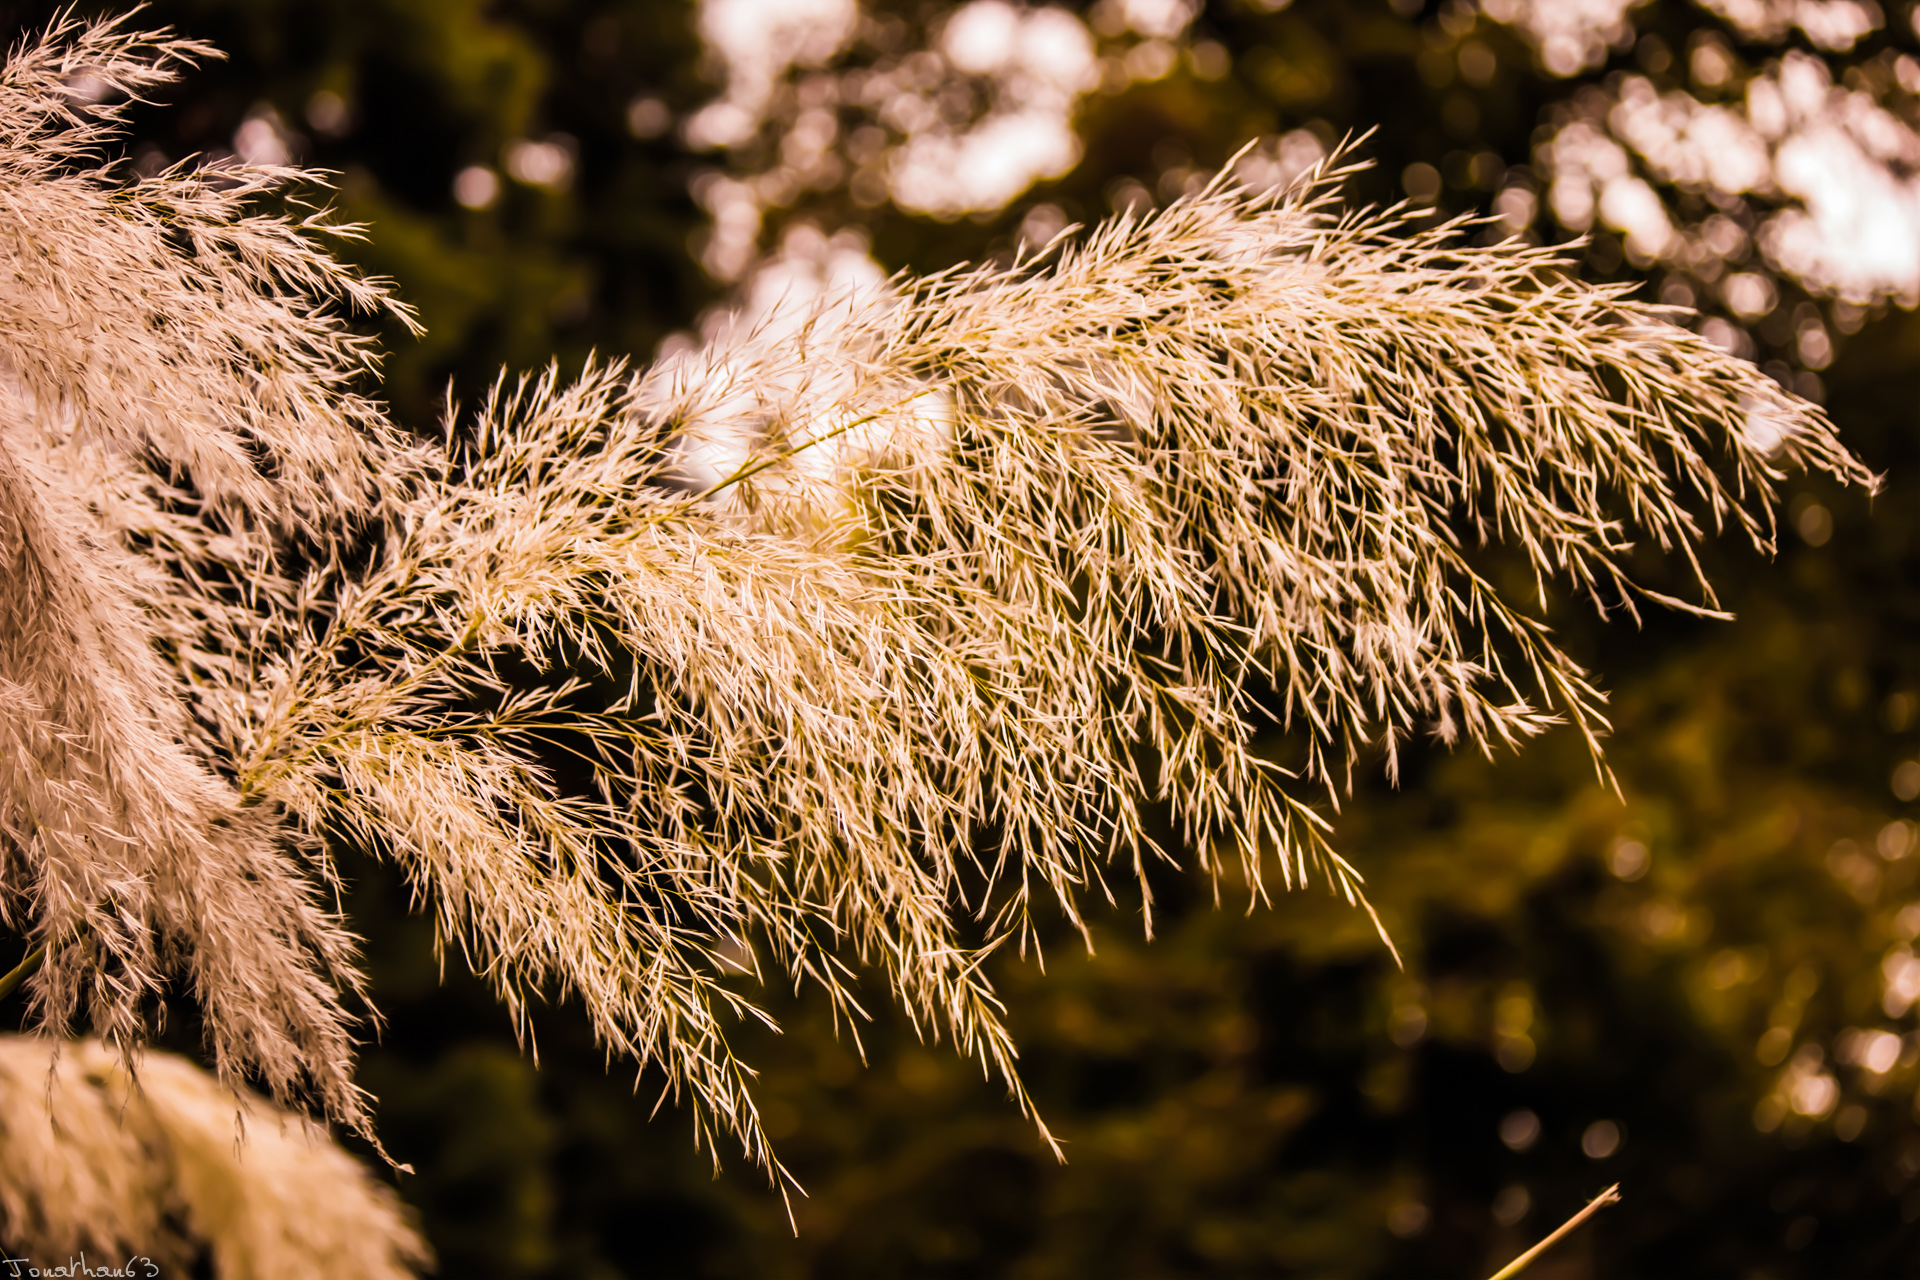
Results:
860 635
165 1163
179 395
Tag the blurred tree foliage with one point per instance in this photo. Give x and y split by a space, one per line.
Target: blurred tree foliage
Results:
1678 991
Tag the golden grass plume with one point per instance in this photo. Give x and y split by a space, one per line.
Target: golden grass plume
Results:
840 642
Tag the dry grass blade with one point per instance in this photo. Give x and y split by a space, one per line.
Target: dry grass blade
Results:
1610 1196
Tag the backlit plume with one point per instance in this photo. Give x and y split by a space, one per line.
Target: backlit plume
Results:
844 642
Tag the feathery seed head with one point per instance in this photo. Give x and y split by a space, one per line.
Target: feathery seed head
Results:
153 1163
915 603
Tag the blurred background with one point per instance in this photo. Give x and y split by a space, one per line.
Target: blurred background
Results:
1704 991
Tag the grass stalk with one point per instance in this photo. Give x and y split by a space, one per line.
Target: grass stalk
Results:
21 972
1610 1196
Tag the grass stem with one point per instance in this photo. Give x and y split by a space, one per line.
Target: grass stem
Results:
22 971
1610 1196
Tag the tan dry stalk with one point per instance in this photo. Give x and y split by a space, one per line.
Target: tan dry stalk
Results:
1610 1196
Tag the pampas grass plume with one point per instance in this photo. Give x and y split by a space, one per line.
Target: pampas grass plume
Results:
863 636
169 1164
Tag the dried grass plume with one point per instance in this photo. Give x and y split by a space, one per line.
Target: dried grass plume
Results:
99 1163
176 402
843 642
